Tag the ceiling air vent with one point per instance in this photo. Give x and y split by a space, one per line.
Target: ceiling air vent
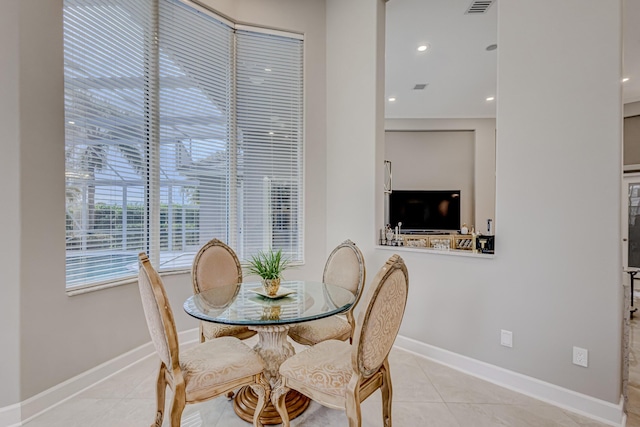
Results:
479 6
420 86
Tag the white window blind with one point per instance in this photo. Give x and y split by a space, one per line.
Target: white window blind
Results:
107 132
196 76
270 129
178 130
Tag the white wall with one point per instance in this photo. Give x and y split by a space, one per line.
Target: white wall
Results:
355 125
632 109
559 146
484 154
434 161
631 136
80 332
556 279
10 196
631 131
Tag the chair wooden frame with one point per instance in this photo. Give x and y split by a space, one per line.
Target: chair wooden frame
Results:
197 288
364 379
362 275
172 376
346 245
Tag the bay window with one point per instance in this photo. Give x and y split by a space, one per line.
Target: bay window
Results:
180 127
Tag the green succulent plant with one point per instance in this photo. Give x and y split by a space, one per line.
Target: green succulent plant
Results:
267 264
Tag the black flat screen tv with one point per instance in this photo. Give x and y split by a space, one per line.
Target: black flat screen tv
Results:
425 211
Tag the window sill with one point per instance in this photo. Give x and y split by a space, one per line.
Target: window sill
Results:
450 252
85 289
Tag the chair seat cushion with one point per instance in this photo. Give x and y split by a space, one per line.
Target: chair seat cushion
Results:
328 328
216 330
216 362
325 367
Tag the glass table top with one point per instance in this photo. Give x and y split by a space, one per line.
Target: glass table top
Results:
242 304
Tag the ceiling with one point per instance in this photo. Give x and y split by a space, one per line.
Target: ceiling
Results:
459 72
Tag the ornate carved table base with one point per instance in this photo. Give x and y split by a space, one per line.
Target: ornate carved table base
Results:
246 400
274 349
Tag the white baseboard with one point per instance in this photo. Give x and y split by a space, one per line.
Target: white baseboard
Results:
597 409
10 416
16 415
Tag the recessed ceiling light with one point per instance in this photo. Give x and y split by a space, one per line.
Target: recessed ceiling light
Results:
423 47
270 133
392 99
267 69
626 79
72 123
491 47
491 98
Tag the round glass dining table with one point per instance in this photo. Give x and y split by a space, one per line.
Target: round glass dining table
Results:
271 317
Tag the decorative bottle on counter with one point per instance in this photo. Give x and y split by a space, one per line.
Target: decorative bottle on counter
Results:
389 234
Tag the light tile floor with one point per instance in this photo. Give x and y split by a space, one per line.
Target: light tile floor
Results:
633 408
425 394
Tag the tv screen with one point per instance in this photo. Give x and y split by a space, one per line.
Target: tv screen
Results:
436 210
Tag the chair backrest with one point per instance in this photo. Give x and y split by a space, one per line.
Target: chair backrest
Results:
157 311
378 324
345 268
215 264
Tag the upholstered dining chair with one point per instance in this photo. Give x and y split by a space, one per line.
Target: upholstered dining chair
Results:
215 265
340 375
199 373
345 268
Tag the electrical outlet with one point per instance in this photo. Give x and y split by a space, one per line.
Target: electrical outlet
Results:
580 356
506 338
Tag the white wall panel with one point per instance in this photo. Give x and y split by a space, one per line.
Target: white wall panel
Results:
556 278
10 213
435 161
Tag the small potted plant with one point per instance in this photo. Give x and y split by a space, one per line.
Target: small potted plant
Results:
269 265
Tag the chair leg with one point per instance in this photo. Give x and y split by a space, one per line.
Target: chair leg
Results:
161 387
177 406
387 394
278 395
262 389
353 403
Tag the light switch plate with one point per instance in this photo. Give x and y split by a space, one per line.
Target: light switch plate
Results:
506 338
